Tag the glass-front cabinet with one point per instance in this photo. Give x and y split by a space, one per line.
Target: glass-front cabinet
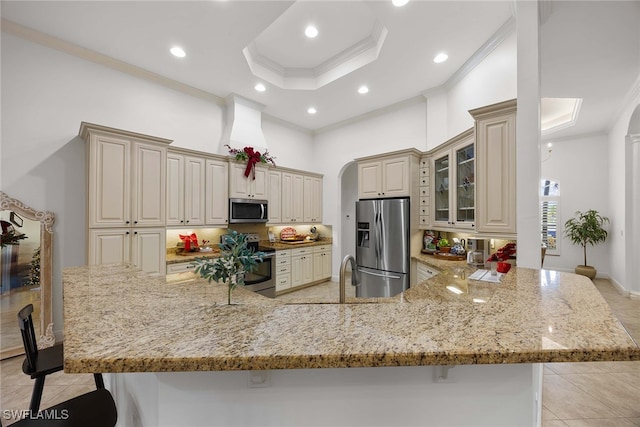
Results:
454 183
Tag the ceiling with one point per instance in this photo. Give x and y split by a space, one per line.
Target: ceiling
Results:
232 45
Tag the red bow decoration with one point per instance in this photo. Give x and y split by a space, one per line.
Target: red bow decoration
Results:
253 158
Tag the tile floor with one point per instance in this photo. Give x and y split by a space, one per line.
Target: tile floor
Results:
597 394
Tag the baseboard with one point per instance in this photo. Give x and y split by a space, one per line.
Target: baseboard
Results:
634 295
620 288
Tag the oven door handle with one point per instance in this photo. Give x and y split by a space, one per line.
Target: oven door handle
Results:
262 211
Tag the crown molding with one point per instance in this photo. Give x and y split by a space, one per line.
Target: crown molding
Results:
46 40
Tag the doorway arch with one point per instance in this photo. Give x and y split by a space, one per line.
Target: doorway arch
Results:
632 205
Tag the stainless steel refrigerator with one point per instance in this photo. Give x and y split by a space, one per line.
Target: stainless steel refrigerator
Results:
382 247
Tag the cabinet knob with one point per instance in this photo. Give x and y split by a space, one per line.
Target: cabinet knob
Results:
135 232
378 194
127 232
187 221
181 222
128 222
135 222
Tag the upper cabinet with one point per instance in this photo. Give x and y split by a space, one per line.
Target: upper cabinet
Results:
242 187
453 183
126 180
292 197
216 192
185 190
386 176
275 196
425 192
495 134
312 199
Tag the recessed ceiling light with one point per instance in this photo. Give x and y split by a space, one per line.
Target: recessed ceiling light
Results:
178 52
399 3
363 89
441 57
260 87
311 110
311 31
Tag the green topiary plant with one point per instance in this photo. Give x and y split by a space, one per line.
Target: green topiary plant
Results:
583 229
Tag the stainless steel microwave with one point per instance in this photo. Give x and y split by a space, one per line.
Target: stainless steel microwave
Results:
248 211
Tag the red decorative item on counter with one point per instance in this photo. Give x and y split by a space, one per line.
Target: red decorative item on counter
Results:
190 241
504 253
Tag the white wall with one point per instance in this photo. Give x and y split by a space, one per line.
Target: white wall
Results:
493 80
580 166
45 96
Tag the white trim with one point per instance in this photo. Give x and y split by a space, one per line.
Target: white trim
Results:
634 296
574 137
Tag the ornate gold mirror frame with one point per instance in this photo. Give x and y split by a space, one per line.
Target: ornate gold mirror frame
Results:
11 344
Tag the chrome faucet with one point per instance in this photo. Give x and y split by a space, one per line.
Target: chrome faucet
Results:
354 276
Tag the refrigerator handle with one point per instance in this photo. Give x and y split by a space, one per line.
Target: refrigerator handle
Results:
389 276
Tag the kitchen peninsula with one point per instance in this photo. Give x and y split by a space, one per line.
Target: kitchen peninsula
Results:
152 336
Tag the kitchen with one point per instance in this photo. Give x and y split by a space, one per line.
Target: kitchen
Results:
29 168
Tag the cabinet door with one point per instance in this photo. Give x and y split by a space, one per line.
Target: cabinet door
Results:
292 197
369 180
496 174
260 185
148 250
326 264
109 246
321 265
312 206
395 177
464 177
109 182
440 200
297 270
307 269
216 192
239 185
175 189
194 191
149 185
275 197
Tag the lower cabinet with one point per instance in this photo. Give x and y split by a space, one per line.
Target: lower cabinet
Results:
321 263
142 247
302 266
283 270
424 272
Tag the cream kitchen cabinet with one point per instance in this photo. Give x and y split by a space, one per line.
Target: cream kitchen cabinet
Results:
275 197
387 177
321 263
424 272
425 193
126 179
453 183
495 131
283 270
141 247
242 187
301 266
292 197
185 190
216 192
312 203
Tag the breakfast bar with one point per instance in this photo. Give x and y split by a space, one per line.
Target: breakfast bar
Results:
416 358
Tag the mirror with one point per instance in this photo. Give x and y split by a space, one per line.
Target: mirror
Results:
25 273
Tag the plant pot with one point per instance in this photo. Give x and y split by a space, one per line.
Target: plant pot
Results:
445 249
586 270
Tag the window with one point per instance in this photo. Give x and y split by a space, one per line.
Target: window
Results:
549 214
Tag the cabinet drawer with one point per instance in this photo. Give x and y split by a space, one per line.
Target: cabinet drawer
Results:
180 268
424 201
424 181
424 272
424 162
301 251
424 172
286 254
283 261
283 282
323 248
424 219
283 269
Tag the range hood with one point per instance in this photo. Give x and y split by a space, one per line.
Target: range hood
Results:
243 125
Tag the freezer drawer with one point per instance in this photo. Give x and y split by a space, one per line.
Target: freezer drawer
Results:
378 283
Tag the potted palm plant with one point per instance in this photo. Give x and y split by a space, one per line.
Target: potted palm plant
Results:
586 228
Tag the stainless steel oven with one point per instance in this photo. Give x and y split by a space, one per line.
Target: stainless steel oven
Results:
262 280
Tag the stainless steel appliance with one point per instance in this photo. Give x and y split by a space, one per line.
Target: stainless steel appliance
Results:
382 247
248 211
262 280
476 253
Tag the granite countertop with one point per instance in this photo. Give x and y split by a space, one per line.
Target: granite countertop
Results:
118 319
280 246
